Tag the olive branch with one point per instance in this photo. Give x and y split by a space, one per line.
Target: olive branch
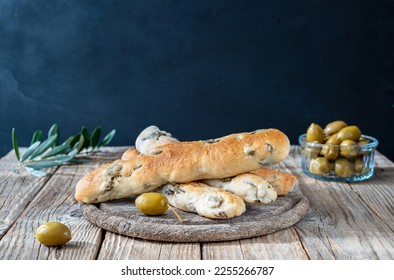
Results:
42 154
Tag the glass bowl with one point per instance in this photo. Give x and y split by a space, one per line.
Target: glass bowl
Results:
338 163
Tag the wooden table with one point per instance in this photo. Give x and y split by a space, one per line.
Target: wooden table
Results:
345 221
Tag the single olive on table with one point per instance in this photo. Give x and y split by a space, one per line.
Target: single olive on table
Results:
337 152
53 234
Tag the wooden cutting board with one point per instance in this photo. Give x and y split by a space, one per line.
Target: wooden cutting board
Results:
122 216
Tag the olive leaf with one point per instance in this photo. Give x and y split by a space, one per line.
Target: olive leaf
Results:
91 141
57 150
108 138
15 144
43 154
74 139
35 172
44 146
95 138
77 141
86 137
44 164
30 151
69 141
54 130
81 143
36 136
96 134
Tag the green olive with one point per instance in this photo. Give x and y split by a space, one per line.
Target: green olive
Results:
359 165
344 168
362 141
315 133
333 140
334 127
349 133
311 151
319 166
363 150
349 149
53 234
152 203
330 152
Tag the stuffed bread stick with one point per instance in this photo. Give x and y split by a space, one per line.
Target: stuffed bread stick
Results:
183 162
253 187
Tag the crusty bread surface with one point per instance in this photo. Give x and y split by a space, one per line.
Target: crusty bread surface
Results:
184 162
152 137
283 182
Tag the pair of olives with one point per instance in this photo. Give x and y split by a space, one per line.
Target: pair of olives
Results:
57 234
337 151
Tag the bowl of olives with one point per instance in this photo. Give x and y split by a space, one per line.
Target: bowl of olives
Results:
339 152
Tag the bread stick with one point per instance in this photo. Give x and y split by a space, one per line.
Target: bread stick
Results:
198 197
283 182
250 187
204 200
183 162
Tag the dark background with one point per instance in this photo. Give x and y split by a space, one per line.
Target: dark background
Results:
199 69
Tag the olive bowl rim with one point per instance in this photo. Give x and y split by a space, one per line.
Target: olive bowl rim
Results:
373 144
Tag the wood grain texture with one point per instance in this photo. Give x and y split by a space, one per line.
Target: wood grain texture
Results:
341 225
119 247
16 191
344 221
230 250
380 202
54 202
282 245
381 161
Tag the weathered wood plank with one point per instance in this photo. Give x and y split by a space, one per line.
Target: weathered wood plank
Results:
10 156
341 226
381 161
16 192
180 251
55 202
230 250
282 245
119 247
345 221
378 194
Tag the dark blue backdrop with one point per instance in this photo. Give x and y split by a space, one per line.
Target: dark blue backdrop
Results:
200 69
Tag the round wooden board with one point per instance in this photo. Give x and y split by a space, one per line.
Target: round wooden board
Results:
121 216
